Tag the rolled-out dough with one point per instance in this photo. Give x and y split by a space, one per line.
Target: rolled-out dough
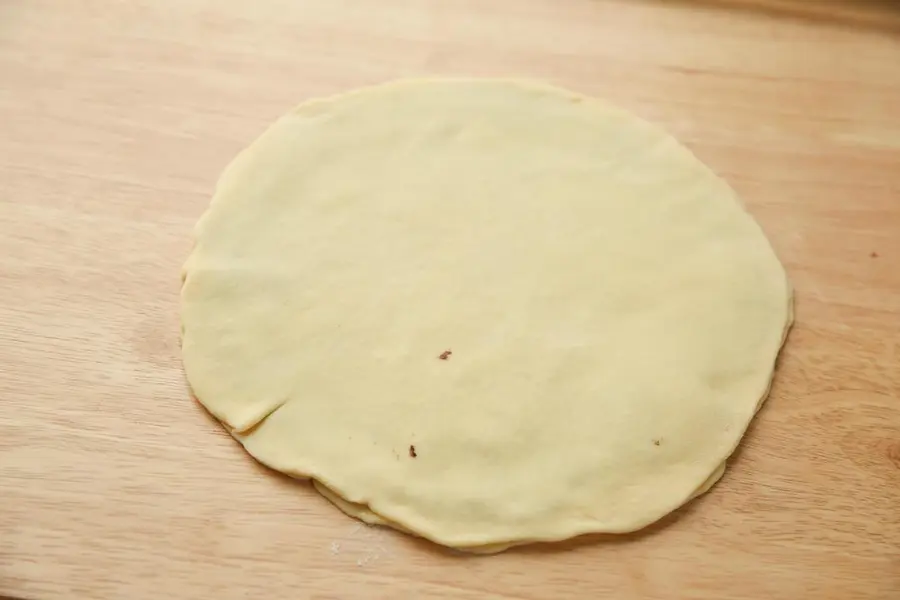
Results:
485 312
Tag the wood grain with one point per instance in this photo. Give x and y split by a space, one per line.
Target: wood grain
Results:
115 119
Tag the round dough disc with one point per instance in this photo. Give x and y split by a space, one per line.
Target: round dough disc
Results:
488 312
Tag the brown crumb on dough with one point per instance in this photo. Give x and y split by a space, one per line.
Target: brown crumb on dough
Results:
656 442
874 255
445 354
412 451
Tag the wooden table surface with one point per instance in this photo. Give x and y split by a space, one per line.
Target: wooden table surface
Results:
117 116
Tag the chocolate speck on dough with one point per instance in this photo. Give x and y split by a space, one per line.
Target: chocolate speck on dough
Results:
412 451
445 354
874 255
656 442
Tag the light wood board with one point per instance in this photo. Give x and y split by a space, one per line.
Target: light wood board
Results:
115 119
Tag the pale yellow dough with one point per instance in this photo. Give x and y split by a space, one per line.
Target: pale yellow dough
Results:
611 312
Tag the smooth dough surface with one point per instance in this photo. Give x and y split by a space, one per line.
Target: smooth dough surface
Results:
487 312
